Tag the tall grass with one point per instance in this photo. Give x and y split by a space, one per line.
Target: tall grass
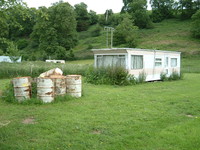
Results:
191 64
8 96
110 75
34 69
174 76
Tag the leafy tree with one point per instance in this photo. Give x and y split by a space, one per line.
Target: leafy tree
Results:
55 29
13 52
71 55
22 43
60 52
6 16
109 18
187 8
1 52
93 17
126 7
197 4
62 19
9 48
196 25
7 3
126 33
161 9
82 17
4 44
4 28
21 21
138 10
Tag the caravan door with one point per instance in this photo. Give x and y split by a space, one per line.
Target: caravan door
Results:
166 65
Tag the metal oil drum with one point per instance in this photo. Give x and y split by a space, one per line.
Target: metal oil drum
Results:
74 85
45 89
60 84
22 88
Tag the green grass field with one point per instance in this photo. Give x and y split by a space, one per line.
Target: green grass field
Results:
151 116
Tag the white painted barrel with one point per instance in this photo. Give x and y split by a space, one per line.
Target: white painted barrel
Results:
45 89
60 85
22 88
74 85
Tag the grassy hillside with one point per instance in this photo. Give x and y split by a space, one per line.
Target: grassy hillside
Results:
170 34
87 41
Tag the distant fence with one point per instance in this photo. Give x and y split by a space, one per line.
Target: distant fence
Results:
190 69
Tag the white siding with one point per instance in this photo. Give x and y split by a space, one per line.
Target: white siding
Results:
7 59
149 56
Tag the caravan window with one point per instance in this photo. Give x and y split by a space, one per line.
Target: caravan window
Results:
173 62
158 62
136 61
110 60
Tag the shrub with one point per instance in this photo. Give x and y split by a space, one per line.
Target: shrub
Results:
97 31
71 55
109 75
174 76
22 43
141 78
13 52
1 52
163 76
126 33
8 96
196 25
89 47
60 53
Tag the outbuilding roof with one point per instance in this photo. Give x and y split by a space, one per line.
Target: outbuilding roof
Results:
135 49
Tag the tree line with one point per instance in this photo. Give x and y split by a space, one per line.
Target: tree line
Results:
43 32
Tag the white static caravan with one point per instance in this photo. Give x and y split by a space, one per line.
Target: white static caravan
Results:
137 61
7 59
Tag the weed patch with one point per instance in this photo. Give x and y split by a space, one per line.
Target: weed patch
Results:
34 69
110 75
174 76
8 96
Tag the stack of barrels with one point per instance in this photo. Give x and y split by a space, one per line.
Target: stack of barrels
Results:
48 87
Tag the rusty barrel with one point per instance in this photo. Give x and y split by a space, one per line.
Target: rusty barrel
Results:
60 84
22 88
74 85
45 89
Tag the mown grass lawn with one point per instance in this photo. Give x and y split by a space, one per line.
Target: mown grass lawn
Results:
151 116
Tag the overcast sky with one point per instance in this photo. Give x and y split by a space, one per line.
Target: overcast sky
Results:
98 6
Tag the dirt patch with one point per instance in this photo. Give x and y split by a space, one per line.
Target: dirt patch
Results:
190 116
4 123
30 120
96 132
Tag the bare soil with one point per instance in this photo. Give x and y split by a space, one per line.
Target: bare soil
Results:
30 120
